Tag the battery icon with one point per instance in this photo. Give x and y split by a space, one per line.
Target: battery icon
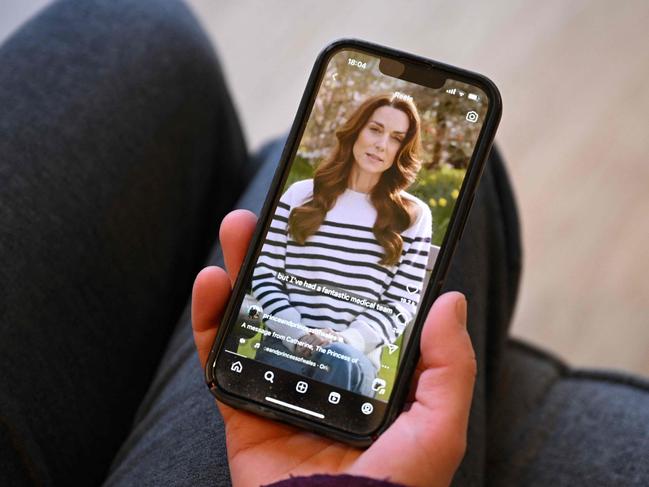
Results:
474 97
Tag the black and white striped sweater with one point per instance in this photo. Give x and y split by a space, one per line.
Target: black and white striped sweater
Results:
342 259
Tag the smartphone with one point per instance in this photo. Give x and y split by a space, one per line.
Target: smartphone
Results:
354 241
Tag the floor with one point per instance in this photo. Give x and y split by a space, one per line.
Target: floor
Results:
574 130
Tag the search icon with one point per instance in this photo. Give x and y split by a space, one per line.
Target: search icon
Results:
269 376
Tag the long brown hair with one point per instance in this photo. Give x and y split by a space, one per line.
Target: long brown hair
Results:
394 213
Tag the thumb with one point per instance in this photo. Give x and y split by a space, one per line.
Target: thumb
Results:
209 297
426 443
447 367
212 286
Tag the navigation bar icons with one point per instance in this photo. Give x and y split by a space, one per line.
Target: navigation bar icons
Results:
334 397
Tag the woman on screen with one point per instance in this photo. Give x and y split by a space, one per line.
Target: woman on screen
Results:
355 233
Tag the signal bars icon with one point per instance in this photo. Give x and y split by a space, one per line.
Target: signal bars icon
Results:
455 91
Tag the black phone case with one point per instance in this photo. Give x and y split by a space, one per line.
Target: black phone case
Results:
452 237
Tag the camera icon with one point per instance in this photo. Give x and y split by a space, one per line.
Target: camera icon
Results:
472 116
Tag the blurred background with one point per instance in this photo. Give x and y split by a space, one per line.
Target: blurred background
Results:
573 76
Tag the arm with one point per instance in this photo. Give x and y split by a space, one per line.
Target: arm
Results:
372 328
272 293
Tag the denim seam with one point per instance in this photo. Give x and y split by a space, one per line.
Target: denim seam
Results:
615 378
557 363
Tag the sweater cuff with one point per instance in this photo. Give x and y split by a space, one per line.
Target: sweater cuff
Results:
333 481
353 338
361 336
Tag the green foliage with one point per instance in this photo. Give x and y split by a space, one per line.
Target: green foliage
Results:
247 347
389 366
439 189
302 169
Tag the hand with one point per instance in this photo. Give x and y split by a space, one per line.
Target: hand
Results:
310 339
315 340
335 336
423 447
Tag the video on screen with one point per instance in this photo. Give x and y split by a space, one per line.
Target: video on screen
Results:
359 224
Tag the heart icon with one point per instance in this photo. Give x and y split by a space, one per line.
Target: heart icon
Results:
412 290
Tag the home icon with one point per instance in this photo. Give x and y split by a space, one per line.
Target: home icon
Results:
236 367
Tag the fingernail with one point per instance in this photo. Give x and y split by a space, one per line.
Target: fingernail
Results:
460 310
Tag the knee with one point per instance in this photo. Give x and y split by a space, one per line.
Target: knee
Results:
125 42
345 349
163 36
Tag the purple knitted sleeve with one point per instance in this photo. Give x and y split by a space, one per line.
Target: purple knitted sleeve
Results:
333 481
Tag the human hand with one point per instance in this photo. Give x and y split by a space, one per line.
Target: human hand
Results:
308 339
423 447
332 336
316 340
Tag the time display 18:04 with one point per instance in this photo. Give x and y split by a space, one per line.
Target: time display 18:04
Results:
357 63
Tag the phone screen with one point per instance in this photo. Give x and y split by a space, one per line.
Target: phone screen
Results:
355 231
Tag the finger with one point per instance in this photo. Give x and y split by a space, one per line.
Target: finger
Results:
425 345
212 285
436 423
235 234
447 366
209 297
313 339
304 350
321 342
310 339
413 383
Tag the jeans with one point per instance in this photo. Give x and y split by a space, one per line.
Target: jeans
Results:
355 375
120 154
